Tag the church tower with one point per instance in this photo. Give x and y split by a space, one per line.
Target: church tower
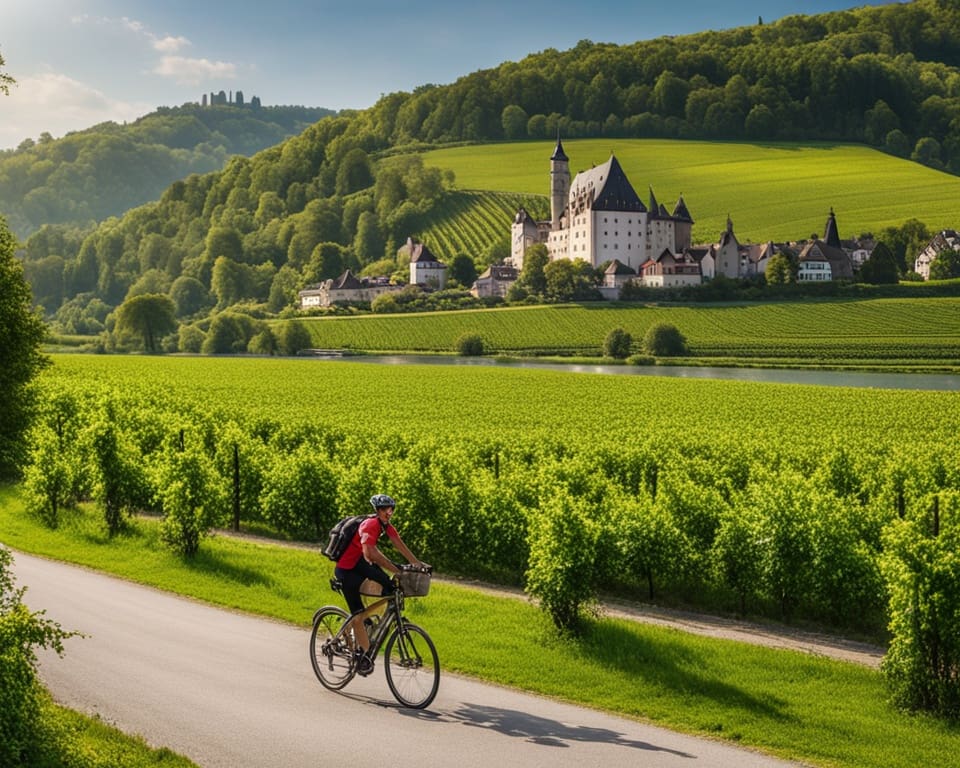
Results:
559 184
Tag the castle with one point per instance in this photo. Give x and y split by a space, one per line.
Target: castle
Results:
598 217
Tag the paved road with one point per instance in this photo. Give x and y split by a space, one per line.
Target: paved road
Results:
226 689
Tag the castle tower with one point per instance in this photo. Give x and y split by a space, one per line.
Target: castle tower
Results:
559 183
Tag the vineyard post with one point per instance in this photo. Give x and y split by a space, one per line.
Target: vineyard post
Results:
236 487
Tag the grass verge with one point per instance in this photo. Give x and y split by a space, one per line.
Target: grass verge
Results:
797 706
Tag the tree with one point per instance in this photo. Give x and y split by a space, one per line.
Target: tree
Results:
470 345
21 631
531 276
5 80
664 340
189 296
150 316
354 173
463 270
946 266
293 337
780 270
881 267
20 340
617 344
514 120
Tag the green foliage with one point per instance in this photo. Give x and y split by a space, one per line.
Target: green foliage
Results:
117 472
922 568
21 632
881 267
664 340
20 339
192 497
49 477
300 494
294 336
470 345
148 316
75 178
565 552
617 344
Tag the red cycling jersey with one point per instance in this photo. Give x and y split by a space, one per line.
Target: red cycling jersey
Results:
369 532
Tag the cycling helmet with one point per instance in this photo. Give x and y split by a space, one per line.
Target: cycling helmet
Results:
381 500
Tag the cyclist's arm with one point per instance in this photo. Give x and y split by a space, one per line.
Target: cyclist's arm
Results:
403 549
372 554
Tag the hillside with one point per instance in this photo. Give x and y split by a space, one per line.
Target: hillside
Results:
349 189
105 170
778 192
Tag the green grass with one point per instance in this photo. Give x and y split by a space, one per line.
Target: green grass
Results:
883 331
772 191
797 706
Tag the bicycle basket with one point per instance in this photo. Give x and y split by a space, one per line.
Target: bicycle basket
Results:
414 583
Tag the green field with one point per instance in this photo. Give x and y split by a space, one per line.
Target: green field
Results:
881 332
773 191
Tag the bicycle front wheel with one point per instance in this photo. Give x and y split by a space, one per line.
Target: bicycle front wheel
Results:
412 666
332 658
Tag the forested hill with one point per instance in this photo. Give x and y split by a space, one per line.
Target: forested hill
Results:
348 190
882 75
105 170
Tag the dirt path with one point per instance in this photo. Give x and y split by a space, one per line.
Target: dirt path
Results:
772 635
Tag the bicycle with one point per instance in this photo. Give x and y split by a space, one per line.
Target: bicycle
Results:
410 657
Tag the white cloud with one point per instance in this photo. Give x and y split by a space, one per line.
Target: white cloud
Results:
194 71
170 44
58 104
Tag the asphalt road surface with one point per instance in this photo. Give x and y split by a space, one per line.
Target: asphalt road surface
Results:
227 689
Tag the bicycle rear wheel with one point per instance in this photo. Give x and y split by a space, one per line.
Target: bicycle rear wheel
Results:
412 666
332 659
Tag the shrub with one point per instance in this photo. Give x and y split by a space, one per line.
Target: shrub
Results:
563 573
294 337
192 498
664 340
470 345
21 724
617 344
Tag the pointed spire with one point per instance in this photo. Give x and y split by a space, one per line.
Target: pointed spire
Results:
830 234
654 205
558 153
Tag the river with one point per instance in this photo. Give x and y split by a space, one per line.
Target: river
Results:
915 381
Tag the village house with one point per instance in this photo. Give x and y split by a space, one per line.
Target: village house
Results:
426 270
495 281
345 289
945 239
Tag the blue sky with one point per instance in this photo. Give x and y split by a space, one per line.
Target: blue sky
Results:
80 62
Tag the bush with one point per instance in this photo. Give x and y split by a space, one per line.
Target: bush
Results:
21 724
192 498
617 344
294 337
563 568
664 340
470 345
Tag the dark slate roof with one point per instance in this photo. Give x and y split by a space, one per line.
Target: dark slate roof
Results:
617 267
680 211
830 235
420 254
558 153
347 281
521 216
654 205
614 191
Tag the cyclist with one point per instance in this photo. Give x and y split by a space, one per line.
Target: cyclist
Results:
363 560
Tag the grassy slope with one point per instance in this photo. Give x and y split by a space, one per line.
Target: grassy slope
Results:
771 191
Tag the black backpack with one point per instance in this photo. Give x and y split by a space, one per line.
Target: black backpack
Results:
342 534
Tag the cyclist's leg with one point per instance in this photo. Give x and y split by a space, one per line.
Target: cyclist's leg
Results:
352 579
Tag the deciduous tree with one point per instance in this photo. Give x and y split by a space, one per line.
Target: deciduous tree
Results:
20 356
150 316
